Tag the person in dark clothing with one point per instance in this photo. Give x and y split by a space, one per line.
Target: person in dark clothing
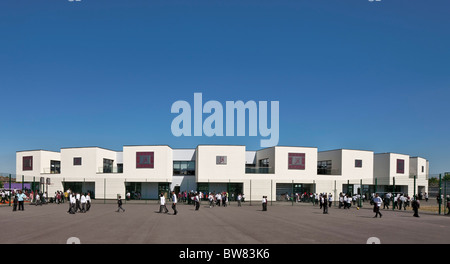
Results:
119 204
325 204
264 203
15 202
415 205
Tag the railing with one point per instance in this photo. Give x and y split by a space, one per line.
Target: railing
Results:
102 170
323 171
259 170
51 170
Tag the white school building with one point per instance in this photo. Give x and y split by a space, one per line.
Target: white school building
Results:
272 172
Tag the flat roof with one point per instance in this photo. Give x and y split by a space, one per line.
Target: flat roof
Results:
90 147
38 150
346 149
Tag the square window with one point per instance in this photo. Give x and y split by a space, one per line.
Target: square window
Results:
358 163
77 161
145 160
27 163
296 161
221 160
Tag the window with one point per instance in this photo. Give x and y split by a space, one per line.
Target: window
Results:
145 160
400 166
119 167
55 166
296 161
184 168
358 163
77 161
264 163
221 160
27 163
423 169
324 167
108 165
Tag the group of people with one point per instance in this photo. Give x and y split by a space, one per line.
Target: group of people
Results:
398 201
162 203
78 202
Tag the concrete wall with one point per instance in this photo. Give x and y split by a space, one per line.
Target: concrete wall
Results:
207 169
163 163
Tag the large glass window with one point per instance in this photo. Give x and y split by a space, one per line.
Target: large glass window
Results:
55 166
264 163
184 168
324 167
108 165
263 166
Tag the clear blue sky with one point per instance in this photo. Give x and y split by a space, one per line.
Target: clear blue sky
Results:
348 74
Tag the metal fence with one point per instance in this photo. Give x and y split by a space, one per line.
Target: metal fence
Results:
434 200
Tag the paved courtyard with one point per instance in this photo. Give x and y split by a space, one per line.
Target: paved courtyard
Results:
281 224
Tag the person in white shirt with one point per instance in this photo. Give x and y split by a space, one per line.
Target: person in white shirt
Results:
174 203
349 201
239 198
77 198
162 203
395 201
73 202
376 205
38 199
211 200
197 202
264 203
218 199
88 202
83 203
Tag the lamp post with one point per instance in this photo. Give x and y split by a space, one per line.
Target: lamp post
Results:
393 193
440 192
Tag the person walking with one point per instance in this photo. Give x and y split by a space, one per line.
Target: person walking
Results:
83 203
119 204
264 203
239 198
415 205
88 202
174 203
376 205
38 199
325 203
197 201
73 202
162 204
448 205
78 203
15 201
